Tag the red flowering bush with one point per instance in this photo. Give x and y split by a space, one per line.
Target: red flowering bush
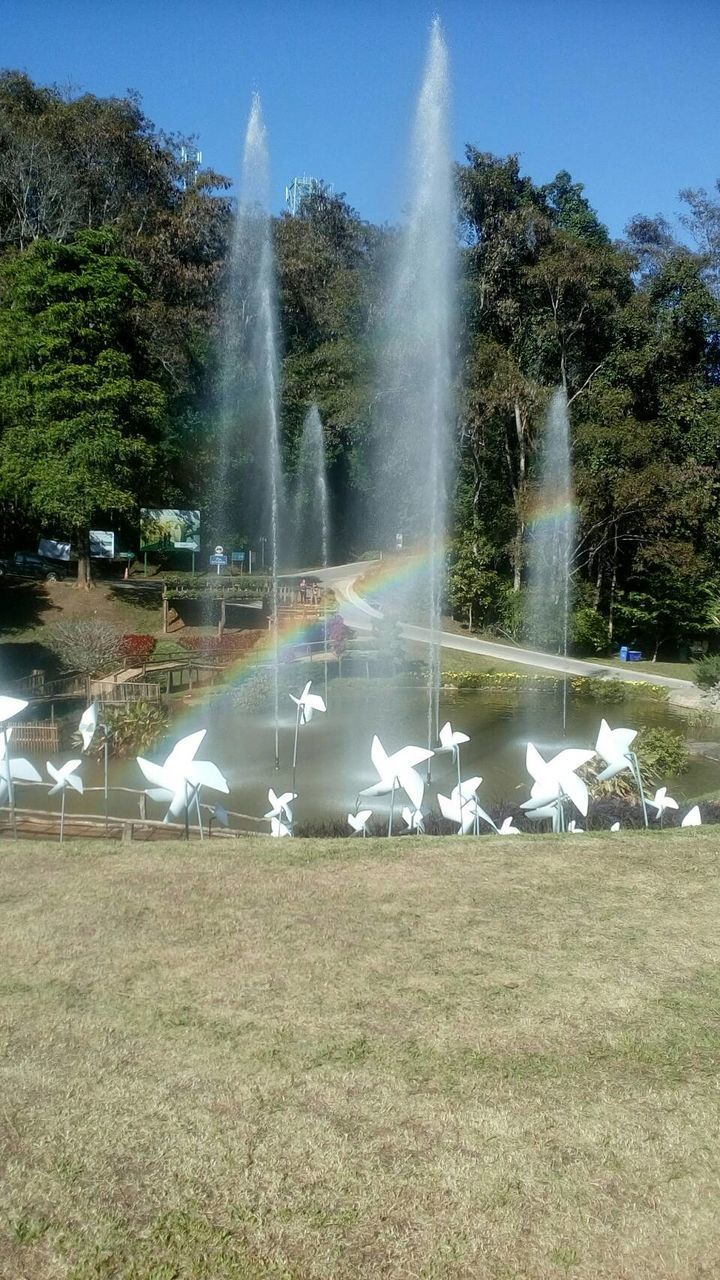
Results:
230 645
137 648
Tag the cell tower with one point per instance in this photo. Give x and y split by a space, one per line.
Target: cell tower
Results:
299 190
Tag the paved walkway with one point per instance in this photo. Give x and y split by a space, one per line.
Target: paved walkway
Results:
361 615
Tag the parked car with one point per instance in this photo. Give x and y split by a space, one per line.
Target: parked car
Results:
28 564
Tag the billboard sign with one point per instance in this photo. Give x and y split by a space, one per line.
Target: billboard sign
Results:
54 549
102 544
168 527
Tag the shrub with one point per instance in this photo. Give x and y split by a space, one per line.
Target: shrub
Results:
589 631
593 689
707 671
131 729
229 645
138 648
661 753
87 645
338 634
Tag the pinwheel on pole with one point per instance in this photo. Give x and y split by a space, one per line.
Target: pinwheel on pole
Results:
179 779
554 782
462 806
507 828
307 704
280 813
13 770
451 741
90 722
63 778
397 770
613 745
414 820
358 821
9 708
661 802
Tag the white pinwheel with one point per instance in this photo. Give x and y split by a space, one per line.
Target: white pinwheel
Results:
462 806
63 778
574 829
179 779
450 739
358 821
88 724
507 828
397 770
280 813
692 818
308 703
414 820
615 826
662 801
13 770
280 805
613 746
553 780
9 708
450 743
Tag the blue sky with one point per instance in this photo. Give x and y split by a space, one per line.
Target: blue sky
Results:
624 95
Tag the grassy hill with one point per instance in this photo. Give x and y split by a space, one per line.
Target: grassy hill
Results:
344 1059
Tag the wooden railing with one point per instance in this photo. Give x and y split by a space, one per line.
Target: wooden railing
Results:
36 736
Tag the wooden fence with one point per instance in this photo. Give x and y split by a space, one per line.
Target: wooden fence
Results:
36 736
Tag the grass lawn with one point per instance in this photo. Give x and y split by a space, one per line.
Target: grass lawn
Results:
348 1059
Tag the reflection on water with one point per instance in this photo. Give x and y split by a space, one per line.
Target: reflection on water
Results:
334 758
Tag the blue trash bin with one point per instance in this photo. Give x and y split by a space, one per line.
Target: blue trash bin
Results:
634 655
623 653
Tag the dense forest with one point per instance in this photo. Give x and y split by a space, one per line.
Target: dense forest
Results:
113 254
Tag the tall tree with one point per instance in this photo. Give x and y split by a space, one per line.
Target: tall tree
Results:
79 415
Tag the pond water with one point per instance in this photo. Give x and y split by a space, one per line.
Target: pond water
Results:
334 754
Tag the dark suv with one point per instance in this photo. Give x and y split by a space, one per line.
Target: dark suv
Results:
29 564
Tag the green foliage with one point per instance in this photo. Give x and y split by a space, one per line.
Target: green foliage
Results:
88 645
589 631
78 413
707 671
132 729
590 689
661 753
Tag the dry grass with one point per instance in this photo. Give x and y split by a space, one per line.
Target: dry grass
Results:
369 1059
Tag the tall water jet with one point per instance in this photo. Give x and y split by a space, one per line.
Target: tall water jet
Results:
312 511
249 482
417 382
552 530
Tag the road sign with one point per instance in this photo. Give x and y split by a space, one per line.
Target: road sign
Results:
219 551
238 557
218 559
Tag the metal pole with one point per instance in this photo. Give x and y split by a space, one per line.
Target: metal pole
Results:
105 753
11 789
62 814
187 813
638 778
295 745
199 814
392 806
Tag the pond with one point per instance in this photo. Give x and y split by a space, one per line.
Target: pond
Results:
334 752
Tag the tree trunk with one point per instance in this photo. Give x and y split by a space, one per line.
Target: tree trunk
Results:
84 573
613 585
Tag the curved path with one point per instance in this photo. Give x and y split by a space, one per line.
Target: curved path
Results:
361 615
